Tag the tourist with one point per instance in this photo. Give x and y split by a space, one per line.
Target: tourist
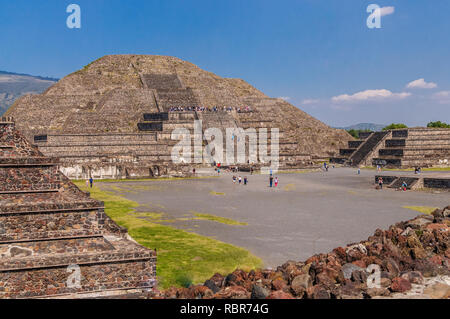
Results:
270 180
234 179
245 180
276 181
404 186
359 171
380 182
240 180
87 183
91 181
193 171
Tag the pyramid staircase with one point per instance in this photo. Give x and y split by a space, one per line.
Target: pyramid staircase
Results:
416 147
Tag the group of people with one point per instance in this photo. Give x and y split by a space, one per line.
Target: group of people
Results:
240 180
273 181
380 183
209 109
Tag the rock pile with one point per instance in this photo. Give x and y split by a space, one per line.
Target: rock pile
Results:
406 255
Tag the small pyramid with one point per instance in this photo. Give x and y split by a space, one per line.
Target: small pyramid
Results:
56 241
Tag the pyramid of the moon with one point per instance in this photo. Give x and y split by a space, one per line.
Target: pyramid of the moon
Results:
114 118
56 241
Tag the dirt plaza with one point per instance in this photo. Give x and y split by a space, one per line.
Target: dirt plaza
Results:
308 213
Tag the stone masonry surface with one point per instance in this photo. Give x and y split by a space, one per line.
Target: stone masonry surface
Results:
48 225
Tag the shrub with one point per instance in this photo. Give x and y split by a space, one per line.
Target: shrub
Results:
438 124
394 126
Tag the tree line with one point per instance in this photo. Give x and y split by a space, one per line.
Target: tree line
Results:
393 126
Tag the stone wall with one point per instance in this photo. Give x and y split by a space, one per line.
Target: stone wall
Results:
98 276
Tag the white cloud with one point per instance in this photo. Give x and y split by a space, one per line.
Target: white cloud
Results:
442 97
310 101
369 95
384 11
421 84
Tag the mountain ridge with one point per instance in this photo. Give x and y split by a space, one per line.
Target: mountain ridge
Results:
15 85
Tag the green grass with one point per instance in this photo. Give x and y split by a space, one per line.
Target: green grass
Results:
183 257
216 193
430 169
422 209
159 179
218 219
299 171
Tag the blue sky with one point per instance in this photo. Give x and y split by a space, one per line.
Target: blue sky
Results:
319 55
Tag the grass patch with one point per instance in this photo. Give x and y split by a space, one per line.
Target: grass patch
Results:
216 193
289 187
299 171
422 209
159 179
183 257
223 220
430 169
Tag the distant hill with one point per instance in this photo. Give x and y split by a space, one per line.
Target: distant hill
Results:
365 126
14 85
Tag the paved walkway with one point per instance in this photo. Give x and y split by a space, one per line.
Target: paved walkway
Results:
308 213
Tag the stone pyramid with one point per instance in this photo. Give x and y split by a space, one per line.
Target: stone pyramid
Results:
52 233
114 117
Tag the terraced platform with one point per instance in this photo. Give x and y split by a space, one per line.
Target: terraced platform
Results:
403 148
50 231
114 118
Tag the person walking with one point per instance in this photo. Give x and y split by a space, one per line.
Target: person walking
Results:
91 181
87 183
276 181
240 180
245 180
271 180
359 171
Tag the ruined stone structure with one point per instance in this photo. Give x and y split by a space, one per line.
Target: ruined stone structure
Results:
401 148
50 232
113 118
